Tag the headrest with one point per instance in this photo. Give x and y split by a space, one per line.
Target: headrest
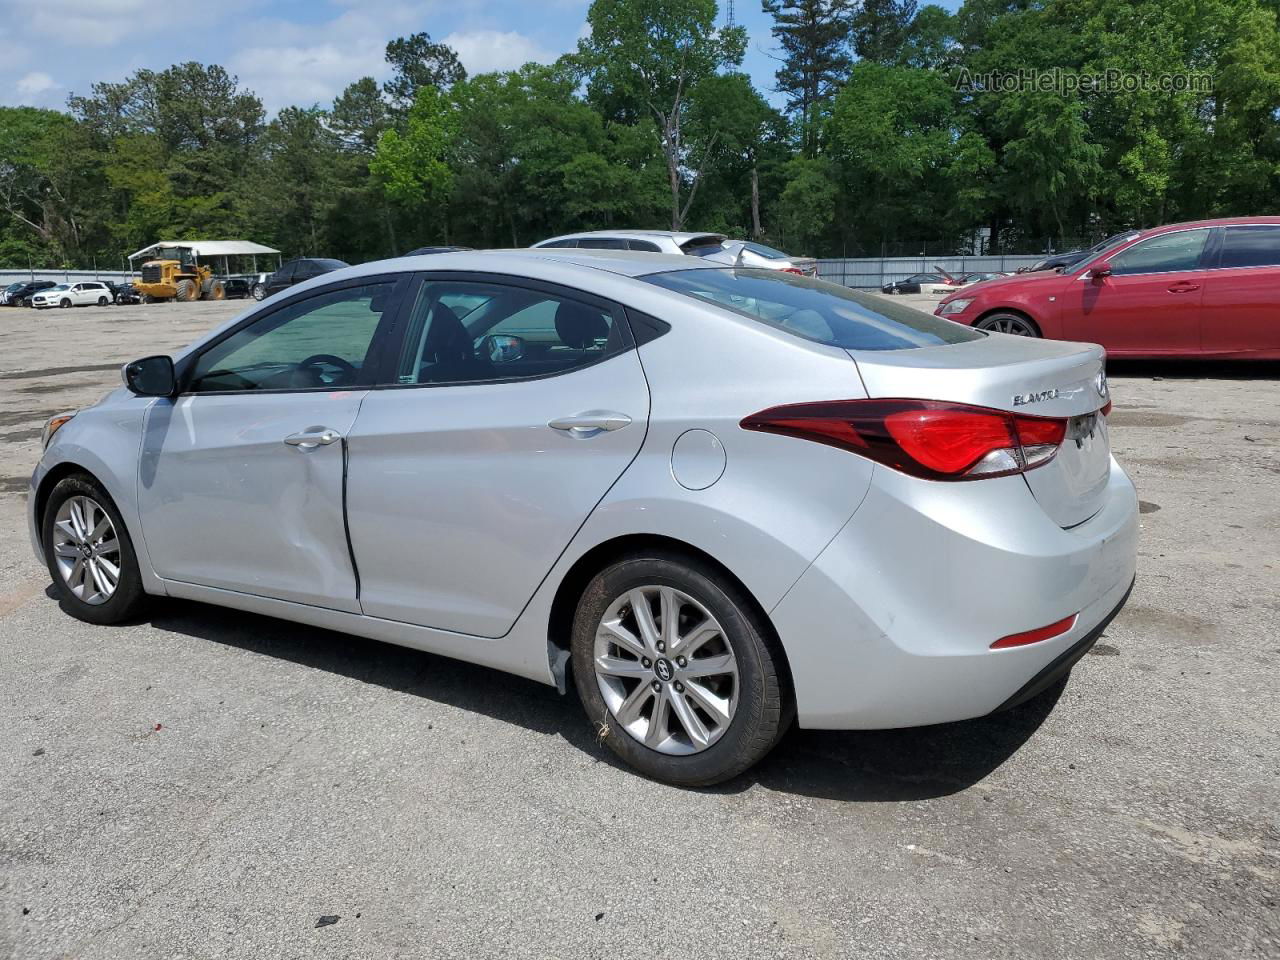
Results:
580 326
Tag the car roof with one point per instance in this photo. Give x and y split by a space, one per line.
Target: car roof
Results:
1220 222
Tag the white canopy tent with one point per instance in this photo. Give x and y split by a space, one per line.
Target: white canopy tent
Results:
210 249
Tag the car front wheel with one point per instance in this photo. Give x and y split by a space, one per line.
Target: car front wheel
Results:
89 553
1011 323
676 671
65 303
258 291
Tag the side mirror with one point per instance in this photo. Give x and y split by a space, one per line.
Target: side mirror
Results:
151 377
499 348
1101 271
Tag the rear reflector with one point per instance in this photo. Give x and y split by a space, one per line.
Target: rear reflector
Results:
1035 636
924 438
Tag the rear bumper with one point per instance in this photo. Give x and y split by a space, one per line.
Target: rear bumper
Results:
892 625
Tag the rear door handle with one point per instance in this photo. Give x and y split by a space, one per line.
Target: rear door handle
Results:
590 423
1184 286
313 437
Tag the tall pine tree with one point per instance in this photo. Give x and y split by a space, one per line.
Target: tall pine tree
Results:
814 36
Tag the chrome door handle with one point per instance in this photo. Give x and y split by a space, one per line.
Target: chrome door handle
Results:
590 423
315 437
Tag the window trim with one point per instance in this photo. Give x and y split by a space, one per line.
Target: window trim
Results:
388 378
386 328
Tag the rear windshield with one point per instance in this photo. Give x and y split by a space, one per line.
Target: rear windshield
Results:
770 253
815 309
703 246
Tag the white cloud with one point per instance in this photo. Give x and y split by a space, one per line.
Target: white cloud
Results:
484 50
95 23
36 82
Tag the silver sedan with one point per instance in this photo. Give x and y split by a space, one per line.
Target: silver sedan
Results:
718 500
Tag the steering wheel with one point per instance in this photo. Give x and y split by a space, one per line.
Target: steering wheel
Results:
347 372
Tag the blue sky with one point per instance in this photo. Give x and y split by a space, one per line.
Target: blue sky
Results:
291 51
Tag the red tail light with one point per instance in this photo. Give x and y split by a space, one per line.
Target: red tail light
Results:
793 270
931 439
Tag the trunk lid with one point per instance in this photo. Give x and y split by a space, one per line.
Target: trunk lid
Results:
1047 378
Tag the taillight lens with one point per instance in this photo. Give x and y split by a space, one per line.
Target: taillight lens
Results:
793 270
931 439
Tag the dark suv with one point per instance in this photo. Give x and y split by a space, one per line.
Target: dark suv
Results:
19 294
295 271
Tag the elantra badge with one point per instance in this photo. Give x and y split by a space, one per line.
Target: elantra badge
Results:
1021 399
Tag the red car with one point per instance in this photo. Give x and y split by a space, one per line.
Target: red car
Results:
1204 289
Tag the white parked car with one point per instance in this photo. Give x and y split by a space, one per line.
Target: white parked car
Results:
83 294
642 241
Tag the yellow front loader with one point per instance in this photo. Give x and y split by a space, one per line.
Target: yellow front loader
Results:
178 276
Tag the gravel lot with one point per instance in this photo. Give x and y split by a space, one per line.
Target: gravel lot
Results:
210 783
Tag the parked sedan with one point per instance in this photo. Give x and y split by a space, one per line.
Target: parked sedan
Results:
641 241
748 253
921 283
1205 289
83 294
713 498
294 272
19 294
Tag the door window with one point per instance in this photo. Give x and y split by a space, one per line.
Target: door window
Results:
320 343
463 331
1166 253
601 243
1251 247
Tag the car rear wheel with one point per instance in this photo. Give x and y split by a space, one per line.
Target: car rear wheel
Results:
259 291
102 301
675 670
1011 323
89 553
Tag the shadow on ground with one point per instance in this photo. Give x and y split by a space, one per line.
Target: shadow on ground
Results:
880 766
1195 369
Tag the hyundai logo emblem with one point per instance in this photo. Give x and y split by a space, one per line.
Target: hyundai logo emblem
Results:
662 668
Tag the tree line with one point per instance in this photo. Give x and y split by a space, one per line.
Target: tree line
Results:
884 138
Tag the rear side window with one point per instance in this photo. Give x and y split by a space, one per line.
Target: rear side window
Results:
469 331
703 246
815 309
601 243
644 246
558 243
1251 247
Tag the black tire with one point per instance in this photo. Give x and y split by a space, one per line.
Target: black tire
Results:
65 304
258 291
129 598
1010 322
764 710
103 301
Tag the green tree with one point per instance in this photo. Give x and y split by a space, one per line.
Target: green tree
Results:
643 58
413 165
417 62
881 30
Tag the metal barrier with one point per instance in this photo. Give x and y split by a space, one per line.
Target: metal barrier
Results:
875 272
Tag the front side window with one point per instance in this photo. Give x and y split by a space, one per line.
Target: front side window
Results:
815 309
322 342
1165 253
1251 247
468 331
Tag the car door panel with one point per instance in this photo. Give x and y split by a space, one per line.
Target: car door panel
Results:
462 497
226 502
241 478
1150 305
1241 297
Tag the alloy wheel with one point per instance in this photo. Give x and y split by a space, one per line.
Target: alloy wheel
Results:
86 550
666 670
1008 323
